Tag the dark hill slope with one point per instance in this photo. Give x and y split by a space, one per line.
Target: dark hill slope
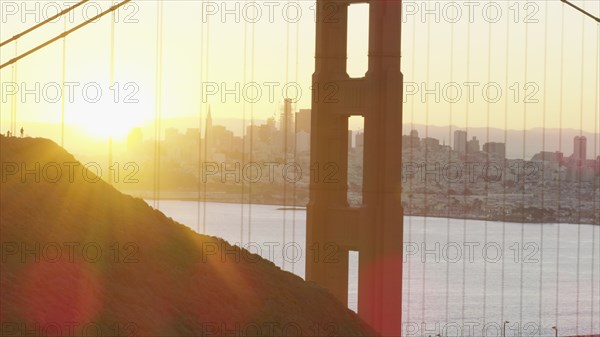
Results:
78 256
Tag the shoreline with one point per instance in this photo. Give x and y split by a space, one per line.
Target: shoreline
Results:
302 207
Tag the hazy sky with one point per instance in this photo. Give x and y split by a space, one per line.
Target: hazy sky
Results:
436 52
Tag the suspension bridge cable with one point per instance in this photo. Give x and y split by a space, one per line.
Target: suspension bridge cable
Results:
13 111
449 182
48 20
425 199
252 52
595 212
158 101
200 142
560 112
206 147
487 156
64 34
466 180
597 19
295 142
111 81
244 132
285 121
580 173
524 148
410 184
504 166
64 79
545 105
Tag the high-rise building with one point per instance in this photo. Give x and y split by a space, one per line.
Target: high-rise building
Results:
303 120
413 140
547 156
302 141
495 150
579 148
266 131
286 126
473 145
460 141
430 143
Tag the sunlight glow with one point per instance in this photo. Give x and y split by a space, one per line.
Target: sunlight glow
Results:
108 119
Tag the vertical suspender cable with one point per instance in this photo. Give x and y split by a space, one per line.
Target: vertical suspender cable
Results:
582 169
111 81
595 211
425 199
202 144
13 112
560 112
410 184
449 183
545 105
465 184
158 102
64 79
201 154
502 319
524 149
244 134
206 74
285 122
252 24
487 156
295 143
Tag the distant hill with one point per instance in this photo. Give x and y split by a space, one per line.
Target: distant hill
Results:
77 255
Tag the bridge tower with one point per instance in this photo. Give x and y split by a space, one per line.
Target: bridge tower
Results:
375 228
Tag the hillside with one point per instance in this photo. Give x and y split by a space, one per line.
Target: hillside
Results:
81 258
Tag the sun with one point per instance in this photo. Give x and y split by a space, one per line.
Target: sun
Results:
104 120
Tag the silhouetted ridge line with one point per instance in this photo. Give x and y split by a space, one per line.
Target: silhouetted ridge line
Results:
142 272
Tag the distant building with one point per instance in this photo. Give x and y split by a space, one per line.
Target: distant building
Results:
173 140
286 126
412 141
430 143
473 145
460 141
350 139
549 157
190 148
266 132
222 139
302 141
495 150
579 149
359 139
303 120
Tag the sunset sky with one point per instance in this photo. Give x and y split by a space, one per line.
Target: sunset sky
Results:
284 52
